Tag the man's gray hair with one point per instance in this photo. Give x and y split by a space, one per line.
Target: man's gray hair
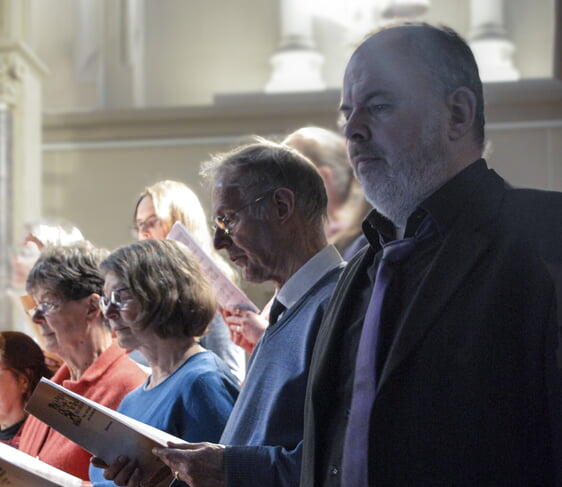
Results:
265 166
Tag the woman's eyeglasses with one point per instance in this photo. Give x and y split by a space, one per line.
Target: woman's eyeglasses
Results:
44 307
116 299
148 225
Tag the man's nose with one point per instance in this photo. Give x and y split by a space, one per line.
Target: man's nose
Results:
220 239
356 127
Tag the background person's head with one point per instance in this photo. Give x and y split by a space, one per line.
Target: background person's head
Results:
327 151
22 364
155 288
66 284
413 105
36 235
269 204
163 203
347 206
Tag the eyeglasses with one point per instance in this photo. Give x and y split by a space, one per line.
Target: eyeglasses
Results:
147 225
44 307
116 299
224 223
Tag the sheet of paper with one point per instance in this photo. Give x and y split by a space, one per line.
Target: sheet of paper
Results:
102 431
228 294
18 469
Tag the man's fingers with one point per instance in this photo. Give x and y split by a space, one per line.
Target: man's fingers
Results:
98 462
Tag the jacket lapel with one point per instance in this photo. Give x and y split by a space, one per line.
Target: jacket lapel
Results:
460 252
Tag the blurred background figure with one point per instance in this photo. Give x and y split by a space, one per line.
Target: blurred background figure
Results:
22 364
158 301
158 207
36 235
347 206
66 285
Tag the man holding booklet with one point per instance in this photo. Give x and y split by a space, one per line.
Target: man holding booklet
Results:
269 204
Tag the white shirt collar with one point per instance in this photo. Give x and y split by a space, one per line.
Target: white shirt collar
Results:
302 280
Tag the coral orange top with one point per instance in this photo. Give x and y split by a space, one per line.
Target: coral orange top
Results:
106 381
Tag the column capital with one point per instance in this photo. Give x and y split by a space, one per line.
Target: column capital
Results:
16 63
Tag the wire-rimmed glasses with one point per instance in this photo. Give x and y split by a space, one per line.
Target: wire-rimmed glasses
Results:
116 299
224 223
44 307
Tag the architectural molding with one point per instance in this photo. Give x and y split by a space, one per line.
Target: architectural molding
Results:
260 113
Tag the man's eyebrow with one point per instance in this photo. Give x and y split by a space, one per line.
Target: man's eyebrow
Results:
368 97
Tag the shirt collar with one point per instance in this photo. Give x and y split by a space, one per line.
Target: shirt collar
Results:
308 274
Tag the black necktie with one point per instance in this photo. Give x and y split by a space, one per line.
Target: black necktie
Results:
276 309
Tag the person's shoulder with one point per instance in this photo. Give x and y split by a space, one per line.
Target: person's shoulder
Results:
208 374
534 210
129 369
203 364
529 197
132 399
331 277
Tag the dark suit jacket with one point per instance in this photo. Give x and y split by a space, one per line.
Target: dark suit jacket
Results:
470 394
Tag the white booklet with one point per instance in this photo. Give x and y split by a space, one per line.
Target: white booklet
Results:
228 293
105 433
18 469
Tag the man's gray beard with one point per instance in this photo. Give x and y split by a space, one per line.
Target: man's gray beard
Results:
397 196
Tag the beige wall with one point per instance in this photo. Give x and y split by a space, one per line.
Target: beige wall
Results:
194 50
206 63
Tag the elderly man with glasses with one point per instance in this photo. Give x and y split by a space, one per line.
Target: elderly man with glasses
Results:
269 204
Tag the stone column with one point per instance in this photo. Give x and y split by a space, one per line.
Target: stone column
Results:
404 9
297 66
20 137
122 59
491 47
5 212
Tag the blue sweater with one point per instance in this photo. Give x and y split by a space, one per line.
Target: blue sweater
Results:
193 403
265 430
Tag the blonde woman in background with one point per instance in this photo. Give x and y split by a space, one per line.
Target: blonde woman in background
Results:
158 207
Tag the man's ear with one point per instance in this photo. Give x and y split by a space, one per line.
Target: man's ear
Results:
462 112
284 201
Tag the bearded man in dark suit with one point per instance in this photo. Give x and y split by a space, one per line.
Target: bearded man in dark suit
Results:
465 386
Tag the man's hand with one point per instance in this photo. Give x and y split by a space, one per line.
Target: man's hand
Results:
197 464
125 472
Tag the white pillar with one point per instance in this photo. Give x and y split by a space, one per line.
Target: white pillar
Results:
491 47
392 9
120 53
20 131
364 18
296 66
6 180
